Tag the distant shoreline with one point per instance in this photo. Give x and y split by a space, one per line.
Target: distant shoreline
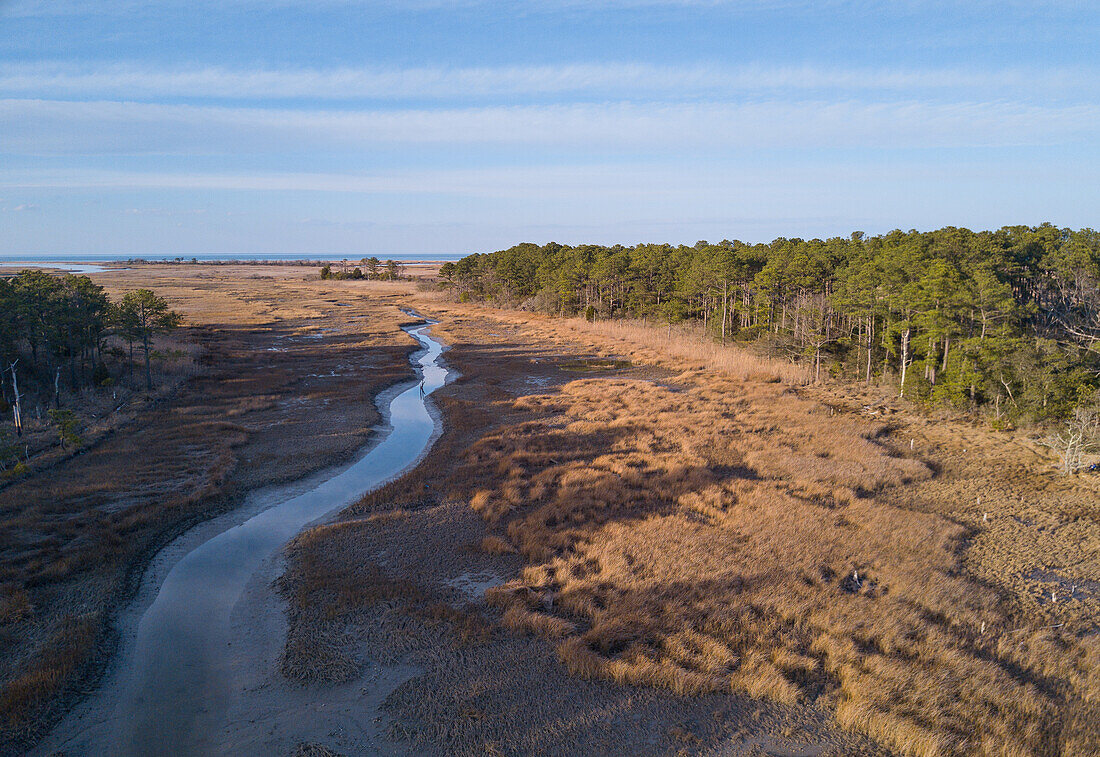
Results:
8 261
97 266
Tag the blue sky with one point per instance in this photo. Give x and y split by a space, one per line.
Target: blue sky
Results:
355 127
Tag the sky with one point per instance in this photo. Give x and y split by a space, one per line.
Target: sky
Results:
348 128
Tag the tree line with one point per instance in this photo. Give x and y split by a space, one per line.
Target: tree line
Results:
1005 321
180 260
54 334
375 269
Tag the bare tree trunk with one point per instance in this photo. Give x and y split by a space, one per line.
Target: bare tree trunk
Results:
859 342
148 373
904 360
930 362
725 299
870 330
17 408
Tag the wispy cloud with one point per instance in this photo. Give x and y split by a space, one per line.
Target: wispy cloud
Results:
45 127
582 202
498 182
46 8
164 212
133 81
580 182
38 8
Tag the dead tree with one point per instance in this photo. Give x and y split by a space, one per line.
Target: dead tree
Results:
905 360
1077 439
17 408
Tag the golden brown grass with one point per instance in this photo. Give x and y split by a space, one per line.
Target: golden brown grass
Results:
686 347
719 531
494 545
518 618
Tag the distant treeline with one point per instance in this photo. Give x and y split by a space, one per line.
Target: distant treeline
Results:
372 268
249 261
1007 320
196 261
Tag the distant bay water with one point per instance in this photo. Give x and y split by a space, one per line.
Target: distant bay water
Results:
252 257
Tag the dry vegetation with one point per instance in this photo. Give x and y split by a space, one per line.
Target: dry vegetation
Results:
674 345
313 750
691 518
284 364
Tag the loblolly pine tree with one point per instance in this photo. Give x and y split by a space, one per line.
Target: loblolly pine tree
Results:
148 314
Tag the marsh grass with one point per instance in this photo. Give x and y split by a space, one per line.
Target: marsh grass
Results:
683 344
494 545
313 750
723 531
710 544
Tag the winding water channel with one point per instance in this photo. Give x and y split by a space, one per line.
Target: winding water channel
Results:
176 676
77 268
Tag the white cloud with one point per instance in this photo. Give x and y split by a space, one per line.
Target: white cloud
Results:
133 81
58 127
463 210
47 8
560 181
637 180
164 212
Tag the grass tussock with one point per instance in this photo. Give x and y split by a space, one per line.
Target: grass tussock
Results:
494 545
520 619
324 585
313 750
